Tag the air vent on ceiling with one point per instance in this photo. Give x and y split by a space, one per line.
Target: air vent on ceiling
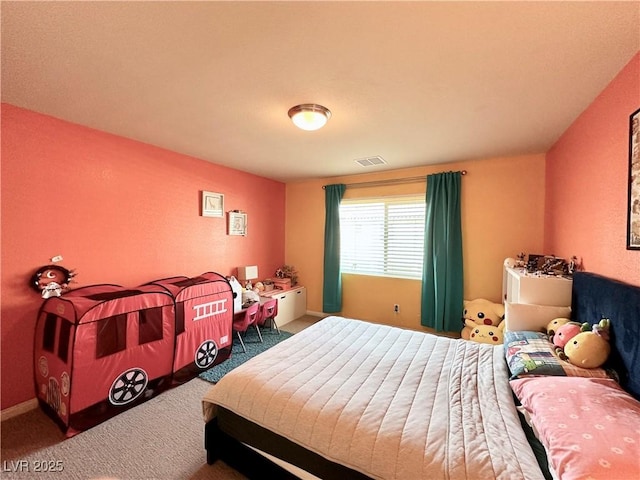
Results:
371 161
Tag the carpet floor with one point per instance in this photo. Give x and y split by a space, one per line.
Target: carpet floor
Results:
238 357
162 438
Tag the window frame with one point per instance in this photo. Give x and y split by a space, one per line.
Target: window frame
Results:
417 230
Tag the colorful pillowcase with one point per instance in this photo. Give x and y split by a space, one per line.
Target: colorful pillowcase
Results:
533 354
589 427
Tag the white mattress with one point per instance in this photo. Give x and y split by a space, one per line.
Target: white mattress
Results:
390 403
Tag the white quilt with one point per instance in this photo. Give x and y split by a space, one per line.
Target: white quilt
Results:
390 403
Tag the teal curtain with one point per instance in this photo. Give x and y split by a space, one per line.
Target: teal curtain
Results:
332 285
442 275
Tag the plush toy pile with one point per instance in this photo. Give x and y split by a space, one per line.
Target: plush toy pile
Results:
577 343
483 321
581 344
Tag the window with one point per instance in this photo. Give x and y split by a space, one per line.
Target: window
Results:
112 335
180 317
150 325
382 236
63 347
49 334
48 338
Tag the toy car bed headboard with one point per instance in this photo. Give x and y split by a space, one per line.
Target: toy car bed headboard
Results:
595 297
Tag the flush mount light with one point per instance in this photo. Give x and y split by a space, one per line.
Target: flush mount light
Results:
309 116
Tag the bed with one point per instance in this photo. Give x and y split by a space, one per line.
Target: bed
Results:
350 399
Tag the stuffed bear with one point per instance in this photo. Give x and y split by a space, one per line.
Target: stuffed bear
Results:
589 349
480 312
486 333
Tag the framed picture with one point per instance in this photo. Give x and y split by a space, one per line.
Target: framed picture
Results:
633 214
212 204
237 223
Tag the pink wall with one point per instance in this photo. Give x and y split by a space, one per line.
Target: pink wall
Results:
118 211
587 183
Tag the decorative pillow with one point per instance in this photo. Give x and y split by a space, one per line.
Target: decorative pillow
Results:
589 426
532 354
523 316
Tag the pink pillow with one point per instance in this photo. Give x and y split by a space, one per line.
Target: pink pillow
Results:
590 427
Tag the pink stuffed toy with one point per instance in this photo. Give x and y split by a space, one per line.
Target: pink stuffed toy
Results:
554 325
565 333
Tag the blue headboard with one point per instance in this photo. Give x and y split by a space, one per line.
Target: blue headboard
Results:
595 297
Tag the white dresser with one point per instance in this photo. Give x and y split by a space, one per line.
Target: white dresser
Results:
519 286
292 303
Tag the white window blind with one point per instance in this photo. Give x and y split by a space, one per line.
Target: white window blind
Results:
383 236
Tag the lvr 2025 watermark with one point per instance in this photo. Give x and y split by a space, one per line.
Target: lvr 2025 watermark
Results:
32 466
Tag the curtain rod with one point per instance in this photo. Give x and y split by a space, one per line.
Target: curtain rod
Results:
391 181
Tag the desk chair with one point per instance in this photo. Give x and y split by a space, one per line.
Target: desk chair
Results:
268 312
243 320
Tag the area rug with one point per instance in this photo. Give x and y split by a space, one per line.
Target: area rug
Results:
238 357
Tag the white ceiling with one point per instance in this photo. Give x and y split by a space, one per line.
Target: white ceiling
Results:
414 82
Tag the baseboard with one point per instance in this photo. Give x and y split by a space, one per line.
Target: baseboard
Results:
18 409
316 314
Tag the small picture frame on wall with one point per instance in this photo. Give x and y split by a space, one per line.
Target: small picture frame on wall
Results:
633 212
212 204
237 223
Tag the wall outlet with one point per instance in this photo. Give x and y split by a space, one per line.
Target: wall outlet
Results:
396 308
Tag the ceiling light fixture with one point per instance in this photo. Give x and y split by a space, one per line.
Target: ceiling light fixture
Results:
309 116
